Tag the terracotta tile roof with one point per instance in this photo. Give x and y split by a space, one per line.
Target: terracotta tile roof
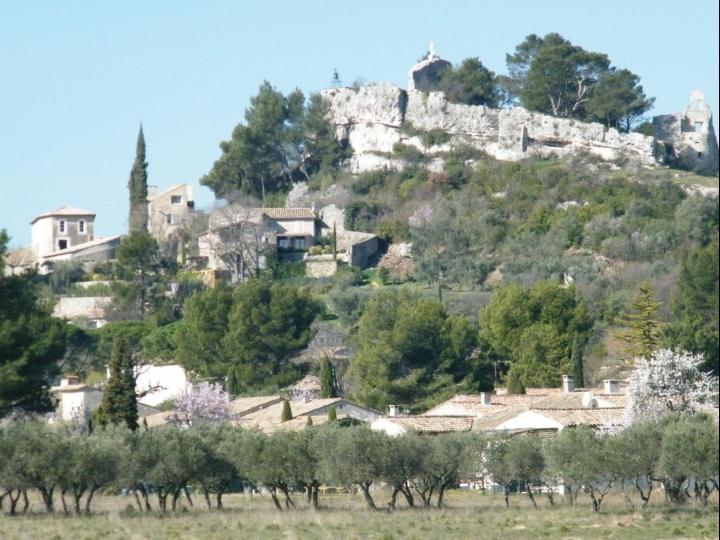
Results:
85 245
491 421
64 211
245 405
289 213
432 424
157 419
588 417
269 417
20 257
576 400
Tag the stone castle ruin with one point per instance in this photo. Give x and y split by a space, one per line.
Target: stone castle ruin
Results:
373 119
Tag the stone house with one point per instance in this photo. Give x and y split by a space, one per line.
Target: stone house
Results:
239 238
75 400
265 412
64 234
169 210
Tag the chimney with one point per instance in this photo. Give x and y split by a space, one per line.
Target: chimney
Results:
588 400
394 410
568 384
612 386
486 398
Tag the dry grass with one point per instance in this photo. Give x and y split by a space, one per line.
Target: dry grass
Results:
468 515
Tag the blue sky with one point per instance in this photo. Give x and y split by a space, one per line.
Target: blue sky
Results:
77 78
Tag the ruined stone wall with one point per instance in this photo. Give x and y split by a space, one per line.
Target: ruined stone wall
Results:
372 119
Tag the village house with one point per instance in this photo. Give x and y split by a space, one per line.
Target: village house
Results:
239 239
76 402
538 411
64 234
268 417
169 210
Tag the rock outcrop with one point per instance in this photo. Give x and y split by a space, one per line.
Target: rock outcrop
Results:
375 118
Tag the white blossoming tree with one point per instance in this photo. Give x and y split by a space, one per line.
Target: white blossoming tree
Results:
203 403
669 382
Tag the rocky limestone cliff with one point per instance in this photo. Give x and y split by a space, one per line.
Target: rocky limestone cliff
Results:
371 119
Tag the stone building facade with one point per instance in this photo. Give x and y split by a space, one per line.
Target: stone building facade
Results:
169 210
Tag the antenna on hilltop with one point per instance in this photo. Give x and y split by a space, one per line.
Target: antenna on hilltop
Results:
336 82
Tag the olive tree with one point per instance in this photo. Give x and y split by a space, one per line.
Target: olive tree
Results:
580 457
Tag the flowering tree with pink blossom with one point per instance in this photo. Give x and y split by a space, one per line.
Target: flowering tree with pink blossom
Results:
669 382
203 403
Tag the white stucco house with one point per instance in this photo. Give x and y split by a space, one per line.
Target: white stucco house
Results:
156 384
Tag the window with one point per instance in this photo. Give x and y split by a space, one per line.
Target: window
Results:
62 225
62 244
171 219
81 226
699 154
698 126
299 243
282 242
175 199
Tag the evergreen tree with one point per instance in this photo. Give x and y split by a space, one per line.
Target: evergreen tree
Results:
641 335
577 360
286 412
32 343
514 385
328 387
119 403
137 186
332 414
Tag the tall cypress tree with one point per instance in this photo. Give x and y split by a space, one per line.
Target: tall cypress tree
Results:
577 359
137 186
328 388
286 412
119 403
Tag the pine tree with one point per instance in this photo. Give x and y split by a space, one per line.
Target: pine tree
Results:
332 414
642 328
119 403
328 388
137 186
286 412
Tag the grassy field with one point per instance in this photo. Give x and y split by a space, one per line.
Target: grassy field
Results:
468 515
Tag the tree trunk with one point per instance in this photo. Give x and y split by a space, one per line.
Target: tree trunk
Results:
218 500
365 487
315 497
405 489
26 503
77 496
14 501
288 501
506 493
530 494
89 498
206 494
62 500
187 496
645 498
176 495
47 497
273 494
393 496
